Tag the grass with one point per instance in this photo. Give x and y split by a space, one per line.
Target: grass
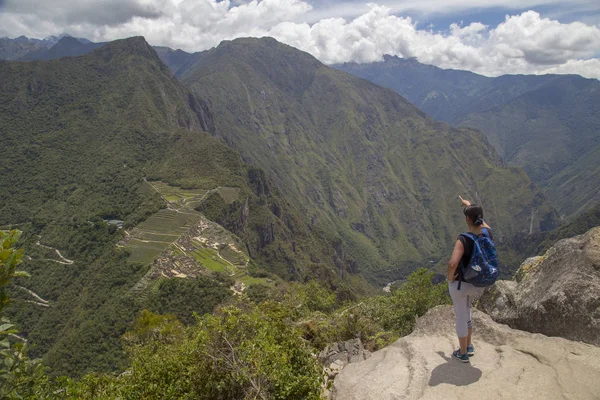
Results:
156 233
210 260
250 280
171 198
232 256
145 252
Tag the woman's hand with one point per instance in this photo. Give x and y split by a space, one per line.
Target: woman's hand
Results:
452 278
465 203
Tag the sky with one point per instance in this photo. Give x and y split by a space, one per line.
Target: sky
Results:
492 37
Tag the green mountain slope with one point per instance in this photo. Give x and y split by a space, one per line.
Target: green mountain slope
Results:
88 140
174 59
553 133
545 124
368 167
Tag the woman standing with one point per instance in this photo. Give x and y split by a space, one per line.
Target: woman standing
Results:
463 298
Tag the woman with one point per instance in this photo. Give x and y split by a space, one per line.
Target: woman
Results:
462 299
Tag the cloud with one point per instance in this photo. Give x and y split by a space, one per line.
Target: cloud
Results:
543 41
353 8
524 43
93 12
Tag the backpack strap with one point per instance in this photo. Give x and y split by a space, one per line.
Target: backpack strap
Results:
474 238
470 235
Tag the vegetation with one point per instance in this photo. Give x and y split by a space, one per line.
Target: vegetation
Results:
350 182
84 132
18 374
246 350
538 244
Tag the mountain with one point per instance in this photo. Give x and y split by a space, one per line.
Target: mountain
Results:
552 133
545 124
33 49
13 49
445 94
174 59
111 139
66 47
366 166
55 47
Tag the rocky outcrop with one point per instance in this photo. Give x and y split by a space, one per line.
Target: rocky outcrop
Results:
336 356
509 364
557 294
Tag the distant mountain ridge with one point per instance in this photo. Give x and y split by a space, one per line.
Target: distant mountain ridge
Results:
22 46
546 124
65 47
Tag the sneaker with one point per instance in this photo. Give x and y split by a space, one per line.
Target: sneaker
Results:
461 357
471 350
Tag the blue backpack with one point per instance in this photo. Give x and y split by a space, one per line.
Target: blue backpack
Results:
483 267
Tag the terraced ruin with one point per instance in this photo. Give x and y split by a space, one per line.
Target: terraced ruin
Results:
180 242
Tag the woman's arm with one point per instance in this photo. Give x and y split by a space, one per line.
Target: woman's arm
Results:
457 254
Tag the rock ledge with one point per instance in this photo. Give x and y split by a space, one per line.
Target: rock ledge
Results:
509 364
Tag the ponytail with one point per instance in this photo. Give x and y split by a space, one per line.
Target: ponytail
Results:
475 214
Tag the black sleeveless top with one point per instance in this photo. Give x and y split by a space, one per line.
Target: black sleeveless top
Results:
468 246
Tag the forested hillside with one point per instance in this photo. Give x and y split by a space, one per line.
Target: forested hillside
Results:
365 165
111 139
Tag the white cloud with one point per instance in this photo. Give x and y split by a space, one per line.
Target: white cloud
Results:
525 43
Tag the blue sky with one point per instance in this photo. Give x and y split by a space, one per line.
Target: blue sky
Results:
491 37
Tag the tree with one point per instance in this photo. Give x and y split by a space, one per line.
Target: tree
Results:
18 374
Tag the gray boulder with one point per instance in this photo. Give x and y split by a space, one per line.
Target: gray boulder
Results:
557 294
336 356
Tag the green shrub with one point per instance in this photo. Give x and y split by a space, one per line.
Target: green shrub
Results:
242 352
18 374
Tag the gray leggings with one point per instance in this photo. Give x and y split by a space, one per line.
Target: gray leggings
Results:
463 300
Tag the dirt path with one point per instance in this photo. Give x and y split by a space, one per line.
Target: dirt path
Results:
65 261
38 300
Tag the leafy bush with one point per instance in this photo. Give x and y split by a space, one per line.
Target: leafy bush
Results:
242 352
377 320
